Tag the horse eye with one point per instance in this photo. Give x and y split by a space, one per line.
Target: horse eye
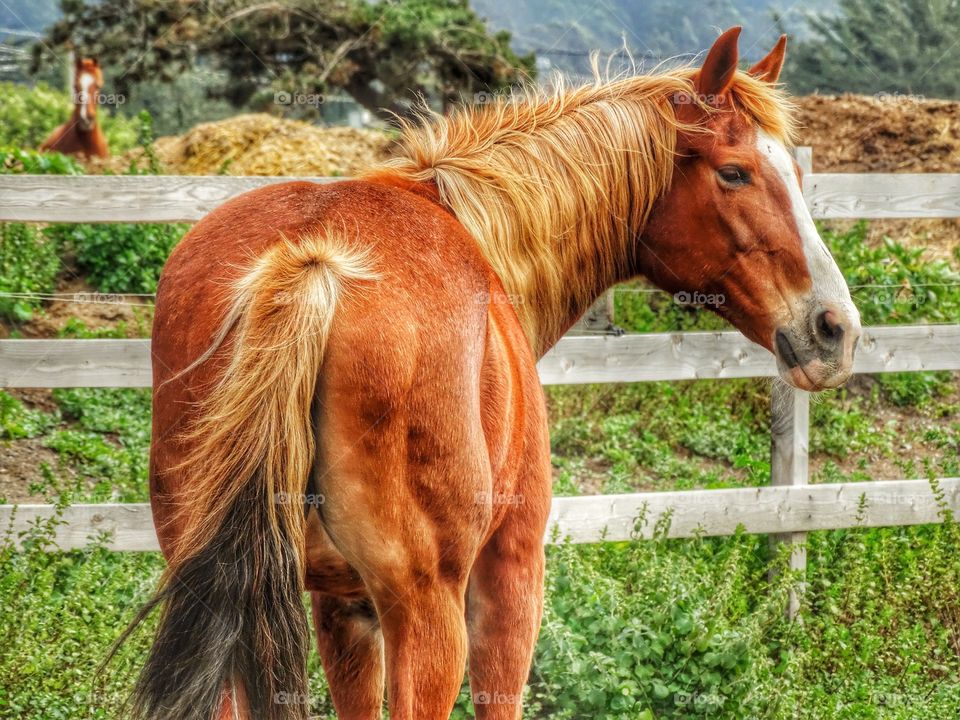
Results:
733 175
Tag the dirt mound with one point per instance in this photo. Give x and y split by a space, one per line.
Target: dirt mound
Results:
887 133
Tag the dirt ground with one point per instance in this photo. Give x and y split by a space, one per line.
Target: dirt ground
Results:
887 134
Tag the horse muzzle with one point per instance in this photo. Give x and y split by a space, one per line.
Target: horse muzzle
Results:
817 352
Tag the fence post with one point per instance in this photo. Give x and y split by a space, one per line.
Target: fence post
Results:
804 157
789 465
597 318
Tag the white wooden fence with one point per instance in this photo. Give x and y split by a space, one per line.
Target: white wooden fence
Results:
786 509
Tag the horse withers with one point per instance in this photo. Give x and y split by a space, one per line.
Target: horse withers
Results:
346 399
81 134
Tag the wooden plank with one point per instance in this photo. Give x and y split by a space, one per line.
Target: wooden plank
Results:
574 360
765 510
908 348
880 195
790 467
589 519
130 524
649 357
705 355
75 363
122 198
185 198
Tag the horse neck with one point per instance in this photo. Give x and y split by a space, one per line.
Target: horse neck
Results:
555 192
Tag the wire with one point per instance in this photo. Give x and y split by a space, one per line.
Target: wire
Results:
103 298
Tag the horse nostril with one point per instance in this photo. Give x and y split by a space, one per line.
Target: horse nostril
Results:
829 328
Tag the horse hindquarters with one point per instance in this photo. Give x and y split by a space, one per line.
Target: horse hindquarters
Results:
232 612
416 455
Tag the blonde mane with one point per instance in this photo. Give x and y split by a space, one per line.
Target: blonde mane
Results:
556 187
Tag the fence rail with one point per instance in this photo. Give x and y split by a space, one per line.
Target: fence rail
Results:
185 198
607 518
786 510
575 360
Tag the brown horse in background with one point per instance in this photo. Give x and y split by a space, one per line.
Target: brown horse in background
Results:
346 398
81 134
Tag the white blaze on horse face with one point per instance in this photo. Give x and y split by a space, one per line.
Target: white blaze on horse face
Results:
829 287
86 82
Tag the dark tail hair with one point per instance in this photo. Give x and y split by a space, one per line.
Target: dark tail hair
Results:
231 599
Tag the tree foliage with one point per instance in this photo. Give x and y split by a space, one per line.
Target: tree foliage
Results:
383 54
881 46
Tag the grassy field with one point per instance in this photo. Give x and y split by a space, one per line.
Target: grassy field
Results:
641 630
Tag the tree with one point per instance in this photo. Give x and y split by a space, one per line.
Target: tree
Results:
383 54
888 46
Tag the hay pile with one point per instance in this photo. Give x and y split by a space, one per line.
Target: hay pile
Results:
856 133
261 144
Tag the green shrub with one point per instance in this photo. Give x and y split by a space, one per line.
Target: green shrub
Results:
61 611
28 115
29 259
16 160
120 258
18 421
108 440
881 627
892 283
916 388
29 263
659 629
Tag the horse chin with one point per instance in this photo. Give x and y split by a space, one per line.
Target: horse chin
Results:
813 376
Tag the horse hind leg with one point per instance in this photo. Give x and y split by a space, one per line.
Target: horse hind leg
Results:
351 649
415 563
504 608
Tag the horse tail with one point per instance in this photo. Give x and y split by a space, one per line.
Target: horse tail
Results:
232 597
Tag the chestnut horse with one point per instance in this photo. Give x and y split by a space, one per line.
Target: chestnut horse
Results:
81 135
346 398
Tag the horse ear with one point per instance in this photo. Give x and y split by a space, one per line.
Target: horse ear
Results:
769 68
721 64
